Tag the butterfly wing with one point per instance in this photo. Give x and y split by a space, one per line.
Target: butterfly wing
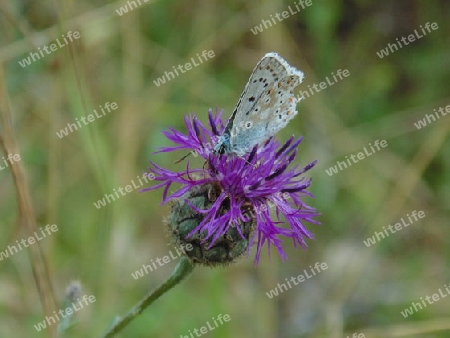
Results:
267 104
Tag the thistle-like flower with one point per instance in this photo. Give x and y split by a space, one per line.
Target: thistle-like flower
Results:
225 207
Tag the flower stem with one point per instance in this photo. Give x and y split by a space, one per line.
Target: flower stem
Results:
183 269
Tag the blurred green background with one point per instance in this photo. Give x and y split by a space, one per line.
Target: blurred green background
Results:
117 58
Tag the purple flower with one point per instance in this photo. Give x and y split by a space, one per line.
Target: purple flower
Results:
261 181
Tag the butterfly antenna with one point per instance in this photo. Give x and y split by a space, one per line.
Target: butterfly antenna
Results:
181 159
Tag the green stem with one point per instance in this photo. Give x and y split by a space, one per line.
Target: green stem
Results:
66 322
183 269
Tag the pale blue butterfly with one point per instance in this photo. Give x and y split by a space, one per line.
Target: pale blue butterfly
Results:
266 105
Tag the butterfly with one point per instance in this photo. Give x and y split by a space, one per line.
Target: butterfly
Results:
266 105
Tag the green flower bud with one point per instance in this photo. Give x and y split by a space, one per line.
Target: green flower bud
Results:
183 219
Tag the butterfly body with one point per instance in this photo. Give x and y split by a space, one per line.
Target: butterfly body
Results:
266 105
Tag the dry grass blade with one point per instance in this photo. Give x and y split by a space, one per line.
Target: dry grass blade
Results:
27 217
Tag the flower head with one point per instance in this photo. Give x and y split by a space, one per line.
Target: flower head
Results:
245 189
